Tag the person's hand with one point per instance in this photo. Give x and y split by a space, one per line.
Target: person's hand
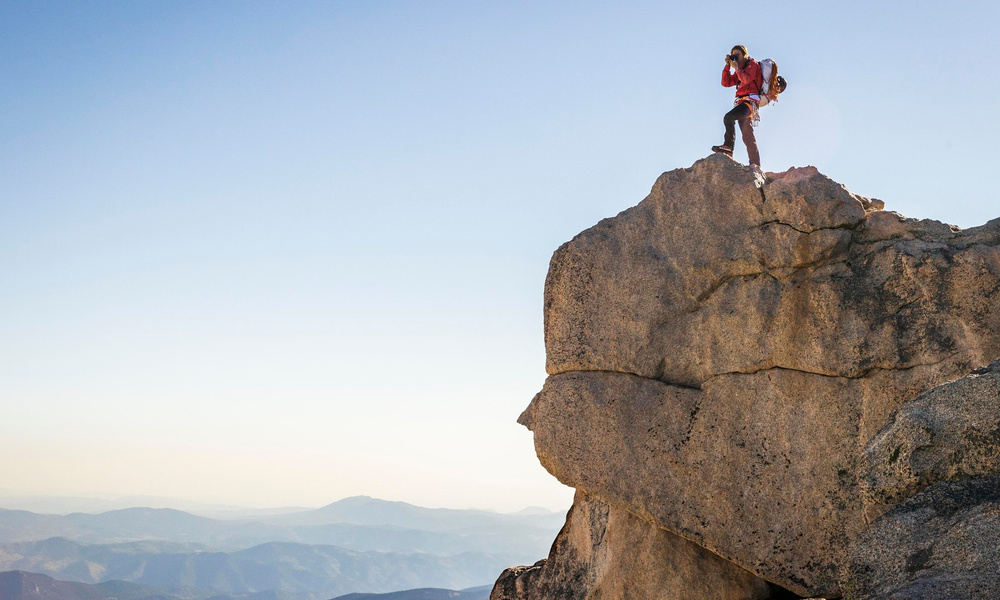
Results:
729 62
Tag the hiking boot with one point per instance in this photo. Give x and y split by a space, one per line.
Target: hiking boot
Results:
727 150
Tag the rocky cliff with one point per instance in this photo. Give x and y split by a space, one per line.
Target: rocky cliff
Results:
729 376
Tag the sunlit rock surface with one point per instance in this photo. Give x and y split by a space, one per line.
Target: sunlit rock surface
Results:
719 356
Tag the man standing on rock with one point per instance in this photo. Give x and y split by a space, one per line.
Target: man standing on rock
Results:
743 72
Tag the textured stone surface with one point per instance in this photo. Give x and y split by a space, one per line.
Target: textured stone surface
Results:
704 277
754 467
938 545
605 552
718 357
951 432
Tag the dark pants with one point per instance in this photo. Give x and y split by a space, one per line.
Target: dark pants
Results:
741 113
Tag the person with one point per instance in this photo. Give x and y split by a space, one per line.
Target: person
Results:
743 72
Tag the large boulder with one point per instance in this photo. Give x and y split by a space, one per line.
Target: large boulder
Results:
607 553
941 544
719 355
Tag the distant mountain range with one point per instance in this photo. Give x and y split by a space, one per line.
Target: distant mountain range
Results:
357 545
364 510
64 505
21 585
359 523
309 572
477 593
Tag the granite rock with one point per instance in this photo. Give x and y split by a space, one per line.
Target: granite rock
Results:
607 553
940 544
720 354
952 432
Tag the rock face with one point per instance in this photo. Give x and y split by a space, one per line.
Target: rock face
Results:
606 552
719 355
940 457
951 432
938 545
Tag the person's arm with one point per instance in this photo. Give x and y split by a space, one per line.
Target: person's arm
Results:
728 79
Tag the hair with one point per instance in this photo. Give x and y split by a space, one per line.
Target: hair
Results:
741 48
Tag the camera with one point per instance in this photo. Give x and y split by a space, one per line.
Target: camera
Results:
731 57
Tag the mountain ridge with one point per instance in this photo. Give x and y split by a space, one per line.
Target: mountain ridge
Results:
390 527
23 585
309 571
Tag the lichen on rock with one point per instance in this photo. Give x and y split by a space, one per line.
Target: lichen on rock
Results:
939 544
951 432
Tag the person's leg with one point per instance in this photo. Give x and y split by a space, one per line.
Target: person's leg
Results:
746 128
740 112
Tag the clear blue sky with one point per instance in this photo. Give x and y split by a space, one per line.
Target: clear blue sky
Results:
271 253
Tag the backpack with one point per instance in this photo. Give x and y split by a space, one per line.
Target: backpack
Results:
771 87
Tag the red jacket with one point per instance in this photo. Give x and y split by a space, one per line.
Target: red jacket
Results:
749 79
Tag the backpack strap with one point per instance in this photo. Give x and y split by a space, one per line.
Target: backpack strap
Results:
760 86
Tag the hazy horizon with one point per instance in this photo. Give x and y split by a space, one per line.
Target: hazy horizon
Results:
9 498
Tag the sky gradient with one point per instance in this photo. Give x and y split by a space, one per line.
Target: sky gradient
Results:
265 254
